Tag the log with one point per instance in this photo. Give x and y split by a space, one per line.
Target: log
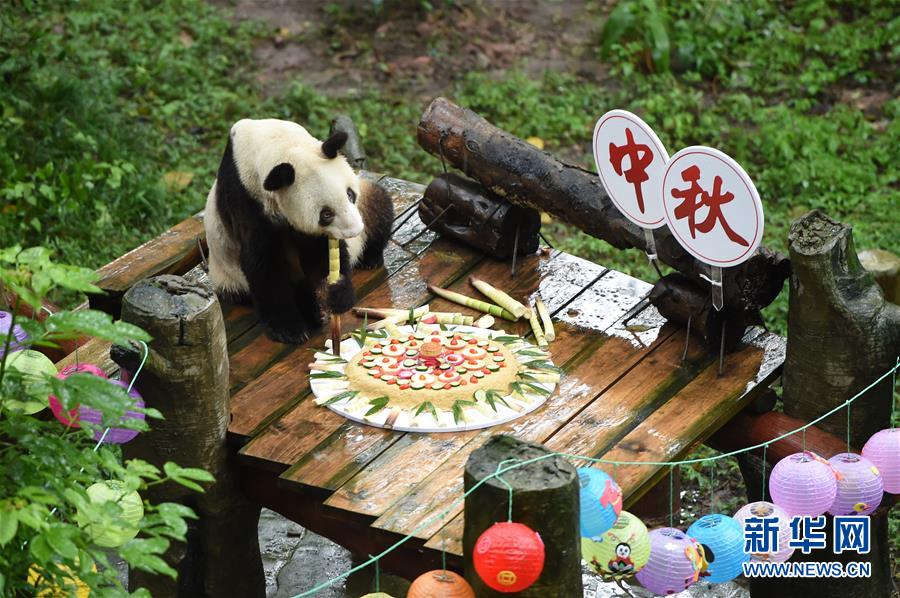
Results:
462 209
353 148
527 176
186 378
842 334
545 498
679 299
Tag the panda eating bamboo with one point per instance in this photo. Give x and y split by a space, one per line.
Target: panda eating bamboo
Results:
279 195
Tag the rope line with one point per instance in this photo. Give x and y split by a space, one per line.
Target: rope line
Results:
501 469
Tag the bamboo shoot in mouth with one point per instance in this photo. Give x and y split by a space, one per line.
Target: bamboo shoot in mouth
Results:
334 274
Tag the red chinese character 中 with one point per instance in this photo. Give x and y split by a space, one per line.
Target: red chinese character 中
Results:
640 156
690 204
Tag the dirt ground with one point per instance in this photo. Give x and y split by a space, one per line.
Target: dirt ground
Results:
340 47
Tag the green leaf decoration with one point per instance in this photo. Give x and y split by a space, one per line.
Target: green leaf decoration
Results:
429 406
458 409
493 397
330 359
411 319
506 339
377 404
327 375
531 353
347 394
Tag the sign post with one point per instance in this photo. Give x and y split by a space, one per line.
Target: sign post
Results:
631 163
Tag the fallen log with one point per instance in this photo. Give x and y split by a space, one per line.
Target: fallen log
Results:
525 175
464 210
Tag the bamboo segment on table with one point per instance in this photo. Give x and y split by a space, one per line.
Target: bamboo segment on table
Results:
277 442
598 361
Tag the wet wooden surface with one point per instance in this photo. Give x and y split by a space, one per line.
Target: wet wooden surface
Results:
626 394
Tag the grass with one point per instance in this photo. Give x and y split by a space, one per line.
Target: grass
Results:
113 115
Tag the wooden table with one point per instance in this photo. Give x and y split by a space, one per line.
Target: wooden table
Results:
626 393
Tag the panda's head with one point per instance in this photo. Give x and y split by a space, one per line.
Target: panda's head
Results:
297 178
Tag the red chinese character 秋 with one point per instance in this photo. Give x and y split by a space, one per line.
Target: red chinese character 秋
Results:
690 204
640 156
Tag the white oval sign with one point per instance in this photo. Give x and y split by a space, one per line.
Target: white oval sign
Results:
631 162
712 207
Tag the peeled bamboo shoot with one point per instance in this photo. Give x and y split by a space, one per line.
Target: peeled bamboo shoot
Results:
536 328
485 321
334 260
546 322
499 297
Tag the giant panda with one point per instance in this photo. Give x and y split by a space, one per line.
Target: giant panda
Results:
279 194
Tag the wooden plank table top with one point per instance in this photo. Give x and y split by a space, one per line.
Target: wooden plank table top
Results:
630 391
626 394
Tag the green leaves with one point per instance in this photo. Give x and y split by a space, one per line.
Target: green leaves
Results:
347 394
328 375
377 404
146 555
72 324
9 523
188 476
427 406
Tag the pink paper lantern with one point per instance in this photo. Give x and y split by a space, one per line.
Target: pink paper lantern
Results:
70 418
783 521
675 562
114 435
803 484
883 450
860 485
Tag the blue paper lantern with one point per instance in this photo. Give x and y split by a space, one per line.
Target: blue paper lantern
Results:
601 501
722 539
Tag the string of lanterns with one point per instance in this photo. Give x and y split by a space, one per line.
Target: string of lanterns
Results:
509 556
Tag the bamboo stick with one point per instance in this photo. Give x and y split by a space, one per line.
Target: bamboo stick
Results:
499 297
392 329
485 321
334 274
549 332
400 317
386 312
475 304
536 328
443 317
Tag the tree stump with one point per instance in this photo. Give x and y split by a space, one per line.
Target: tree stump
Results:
186 378
842 334
463 210
545 498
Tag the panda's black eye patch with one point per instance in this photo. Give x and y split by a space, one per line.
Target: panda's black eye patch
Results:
351 195
326 216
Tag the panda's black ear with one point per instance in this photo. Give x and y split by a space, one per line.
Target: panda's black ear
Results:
281 176
333 144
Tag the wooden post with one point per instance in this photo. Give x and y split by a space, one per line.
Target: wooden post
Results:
186 378
545 498
842 334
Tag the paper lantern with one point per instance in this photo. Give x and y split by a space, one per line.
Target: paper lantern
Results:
601 501
19 336
440 583
70 417
114 435
34 367
883 450
675 562
38 579
111 534
509 557
860 485
766 509
803 484
621 551
377 595
722 540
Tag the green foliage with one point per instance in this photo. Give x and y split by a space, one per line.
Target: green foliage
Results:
47 520
637 30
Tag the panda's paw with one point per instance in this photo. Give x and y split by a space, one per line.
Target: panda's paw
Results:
290 335
340 296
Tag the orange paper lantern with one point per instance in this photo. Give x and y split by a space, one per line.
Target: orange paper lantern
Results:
509 557
445 584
